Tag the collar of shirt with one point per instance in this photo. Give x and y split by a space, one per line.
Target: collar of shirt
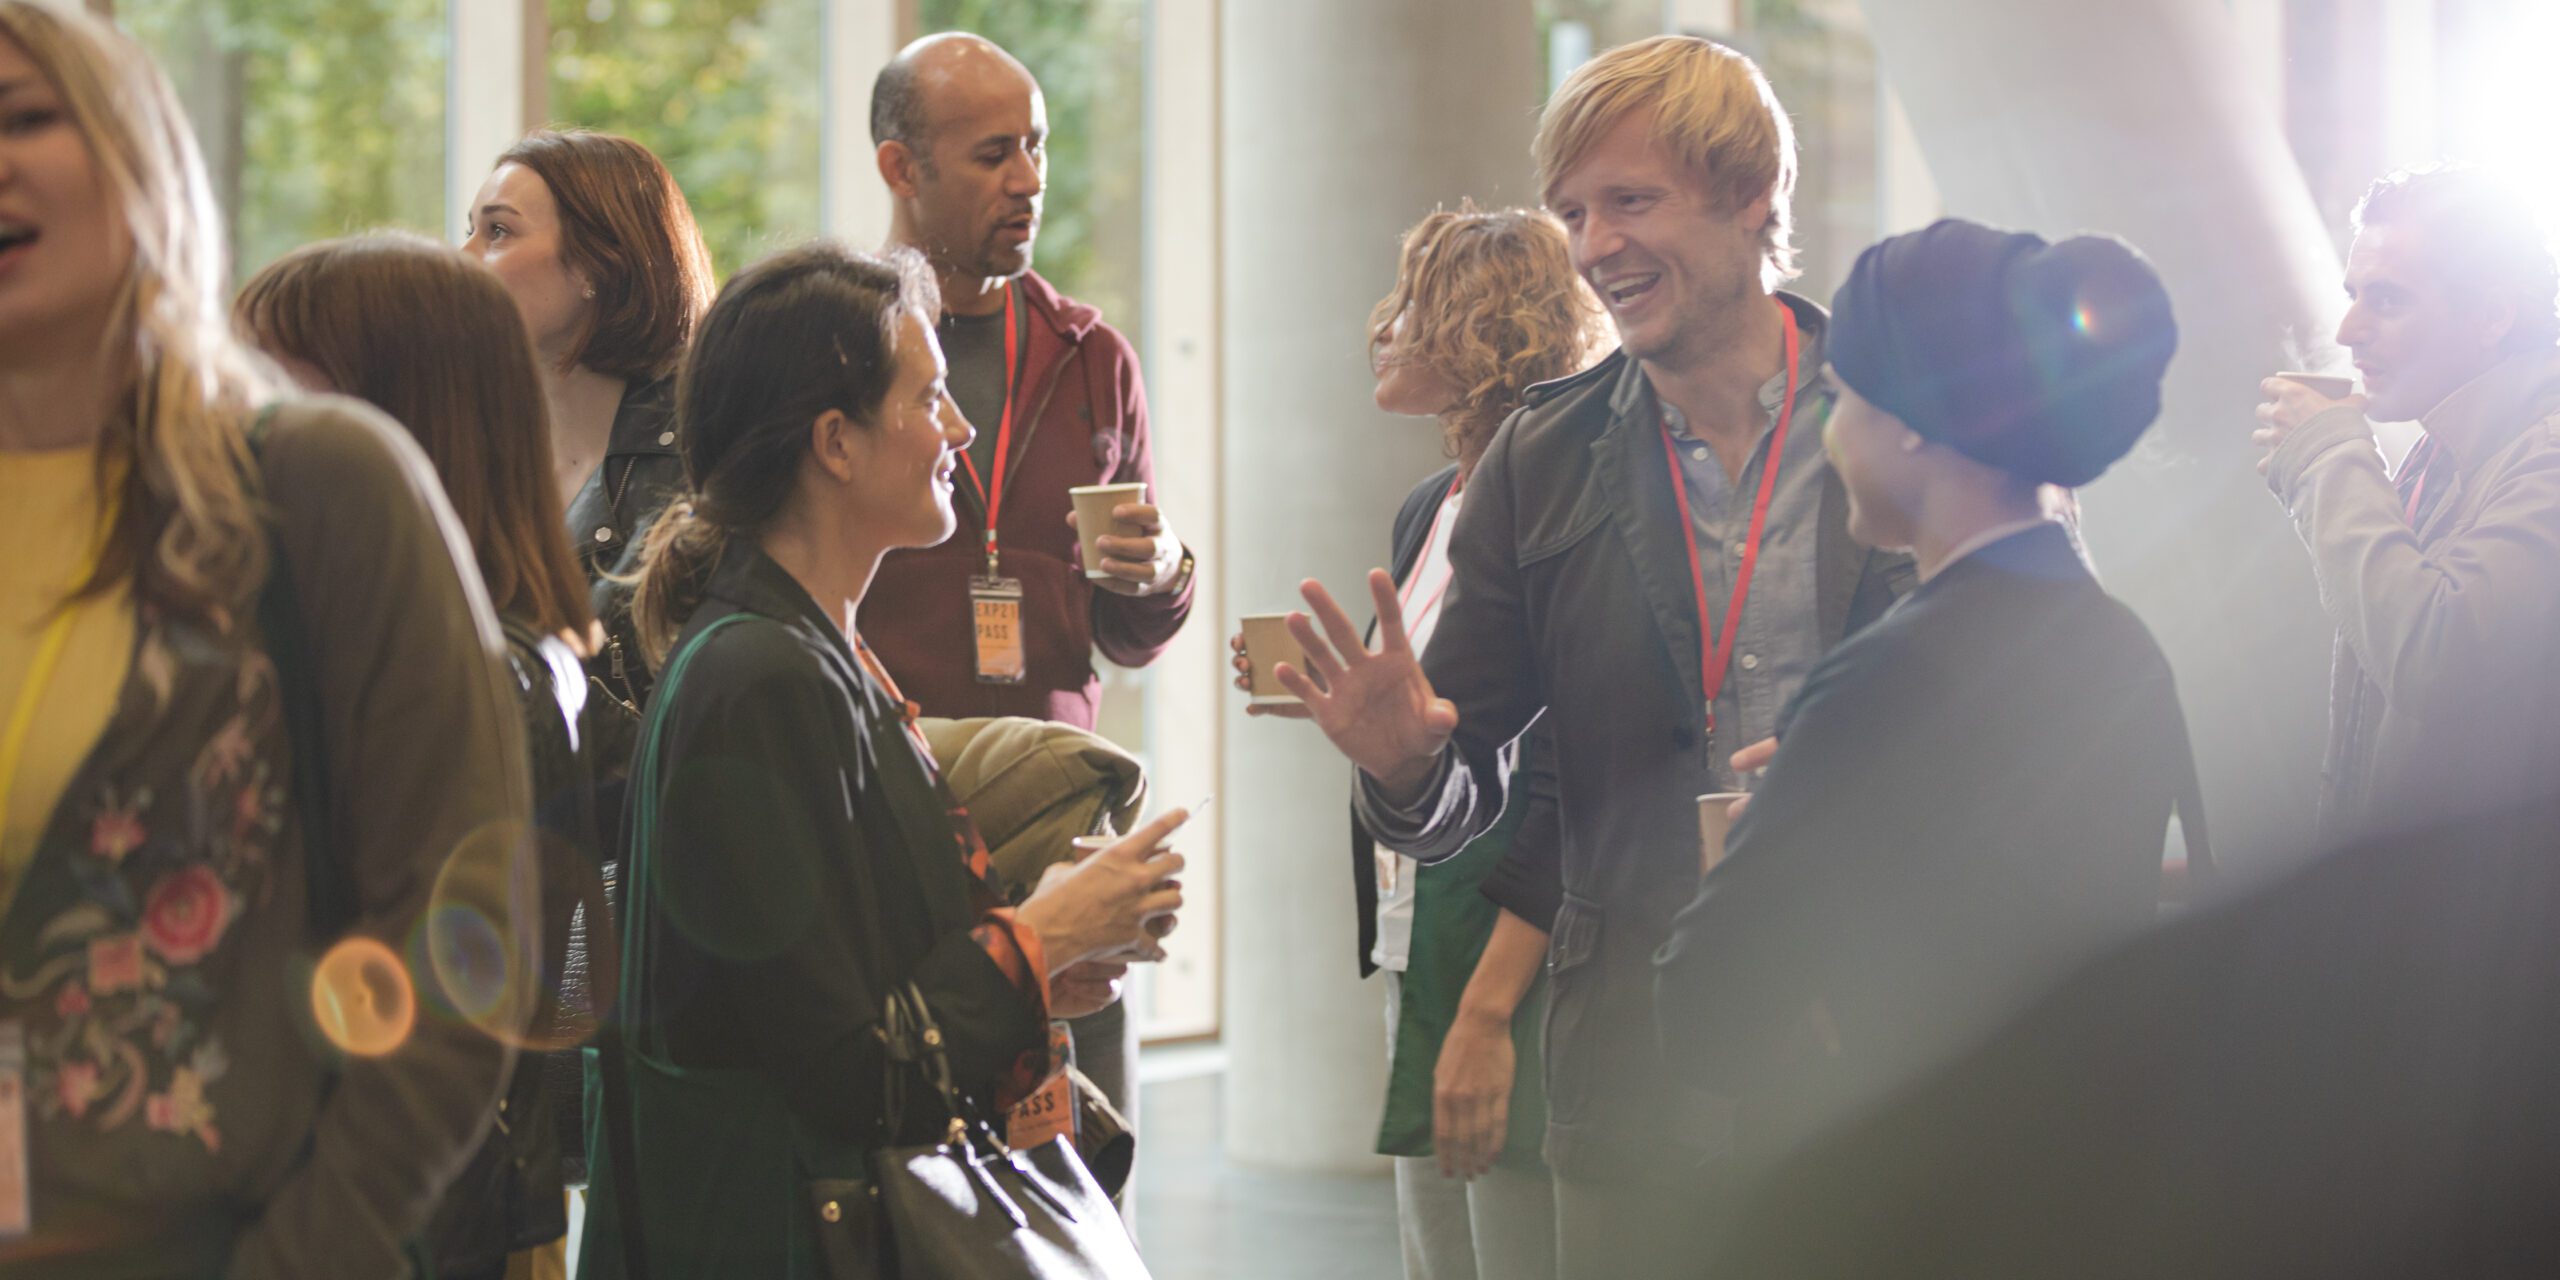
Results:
2482 415
1996 533
645 420
1813 325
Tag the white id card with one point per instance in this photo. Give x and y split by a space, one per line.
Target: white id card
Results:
17 1214
996 606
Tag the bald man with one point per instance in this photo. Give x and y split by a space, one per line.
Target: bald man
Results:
962 142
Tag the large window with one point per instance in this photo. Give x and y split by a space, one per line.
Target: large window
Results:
727 92
317 117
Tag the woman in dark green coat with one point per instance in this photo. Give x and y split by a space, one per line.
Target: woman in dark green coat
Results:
793 854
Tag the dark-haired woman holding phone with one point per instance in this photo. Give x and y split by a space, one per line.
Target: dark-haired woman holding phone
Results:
793 857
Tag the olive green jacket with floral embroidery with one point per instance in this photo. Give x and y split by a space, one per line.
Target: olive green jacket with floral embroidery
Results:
187 1117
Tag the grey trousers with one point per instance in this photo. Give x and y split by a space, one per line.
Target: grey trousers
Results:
1500 1226
1107 1053
1618 1230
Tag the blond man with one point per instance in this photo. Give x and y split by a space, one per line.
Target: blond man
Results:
1653 554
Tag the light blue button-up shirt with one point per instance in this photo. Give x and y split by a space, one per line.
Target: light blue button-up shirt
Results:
1780 634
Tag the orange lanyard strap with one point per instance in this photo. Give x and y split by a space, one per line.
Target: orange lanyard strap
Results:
992 494
1430 540
1715 656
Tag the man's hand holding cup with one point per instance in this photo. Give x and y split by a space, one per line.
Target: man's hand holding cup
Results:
2292 399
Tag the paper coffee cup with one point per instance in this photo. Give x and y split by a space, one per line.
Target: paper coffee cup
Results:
1094 503
1715 819
1267 644
2333 385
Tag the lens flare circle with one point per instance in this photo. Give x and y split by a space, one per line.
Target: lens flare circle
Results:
478 932
362 998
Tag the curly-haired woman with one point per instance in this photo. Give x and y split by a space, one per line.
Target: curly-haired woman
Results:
1486 304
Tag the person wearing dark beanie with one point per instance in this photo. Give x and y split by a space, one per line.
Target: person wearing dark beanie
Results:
1974 794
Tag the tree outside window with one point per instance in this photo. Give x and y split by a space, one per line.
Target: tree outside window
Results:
726 92
317 117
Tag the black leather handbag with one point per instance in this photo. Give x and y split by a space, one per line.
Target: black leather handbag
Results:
968 1207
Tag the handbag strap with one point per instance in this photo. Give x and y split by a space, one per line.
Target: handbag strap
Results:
329 908
2201 867
909 1036
620 1135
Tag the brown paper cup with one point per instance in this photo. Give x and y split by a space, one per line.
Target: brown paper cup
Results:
1267 644
1714 820
2333 385
1094 503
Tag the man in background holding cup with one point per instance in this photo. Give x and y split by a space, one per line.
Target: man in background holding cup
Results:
2443 579
1002 619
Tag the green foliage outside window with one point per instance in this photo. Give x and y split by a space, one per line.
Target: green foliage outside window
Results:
1090 58
726 92
317 117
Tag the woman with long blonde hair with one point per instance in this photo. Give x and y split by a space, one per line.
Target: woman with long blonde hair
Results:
251 731
1486 305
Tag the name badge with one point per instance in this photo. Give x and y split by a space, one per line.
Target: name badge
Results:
17 1215
996 604
1050 1111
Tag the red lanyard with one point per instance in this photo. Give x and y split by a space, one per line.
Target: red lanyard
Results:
1404 594
1713 655
993 494
2422 456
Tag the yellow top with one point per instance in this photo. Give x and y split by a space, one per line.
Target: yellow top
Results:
50 523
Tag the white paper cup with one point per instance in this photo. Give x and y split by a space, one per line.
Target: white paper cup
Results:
2335 386
1715 819
1094 503
1267 644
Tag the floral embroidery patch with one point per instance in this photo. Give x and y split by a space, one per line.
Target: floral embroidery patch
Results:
115 989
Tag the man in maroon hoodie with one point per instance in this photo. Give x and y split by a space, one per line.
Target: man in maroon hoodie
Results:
962 138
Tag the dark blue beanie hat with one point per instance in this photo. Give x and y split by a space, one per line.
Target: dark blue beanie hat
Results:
2041 359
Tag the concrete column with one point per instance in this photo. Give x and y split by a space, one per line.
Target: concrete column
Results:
1345 121
2150 118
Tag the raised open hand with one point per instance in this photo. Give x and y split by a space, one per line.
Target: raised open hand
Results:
1377 707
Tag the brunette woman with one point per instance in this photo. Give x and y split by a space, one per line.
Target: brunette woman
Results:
594 241
422 333
794 857
256 731
1485 304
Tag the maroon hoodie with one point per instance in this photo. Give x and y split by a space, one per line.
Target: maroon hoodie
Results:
1081 418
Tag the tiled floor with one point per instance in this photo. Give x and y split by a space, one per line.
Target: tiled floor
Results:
1201 1218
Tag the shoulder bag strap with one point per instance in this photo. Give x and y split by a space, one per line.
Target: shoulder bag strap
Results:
329 907
621 1142
2201 867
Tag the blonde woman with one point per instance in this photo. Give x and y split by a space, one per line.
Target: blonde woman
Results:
211 787
1485 305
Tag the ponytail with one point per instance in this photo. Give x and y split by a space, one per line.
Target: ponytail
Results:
676 558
